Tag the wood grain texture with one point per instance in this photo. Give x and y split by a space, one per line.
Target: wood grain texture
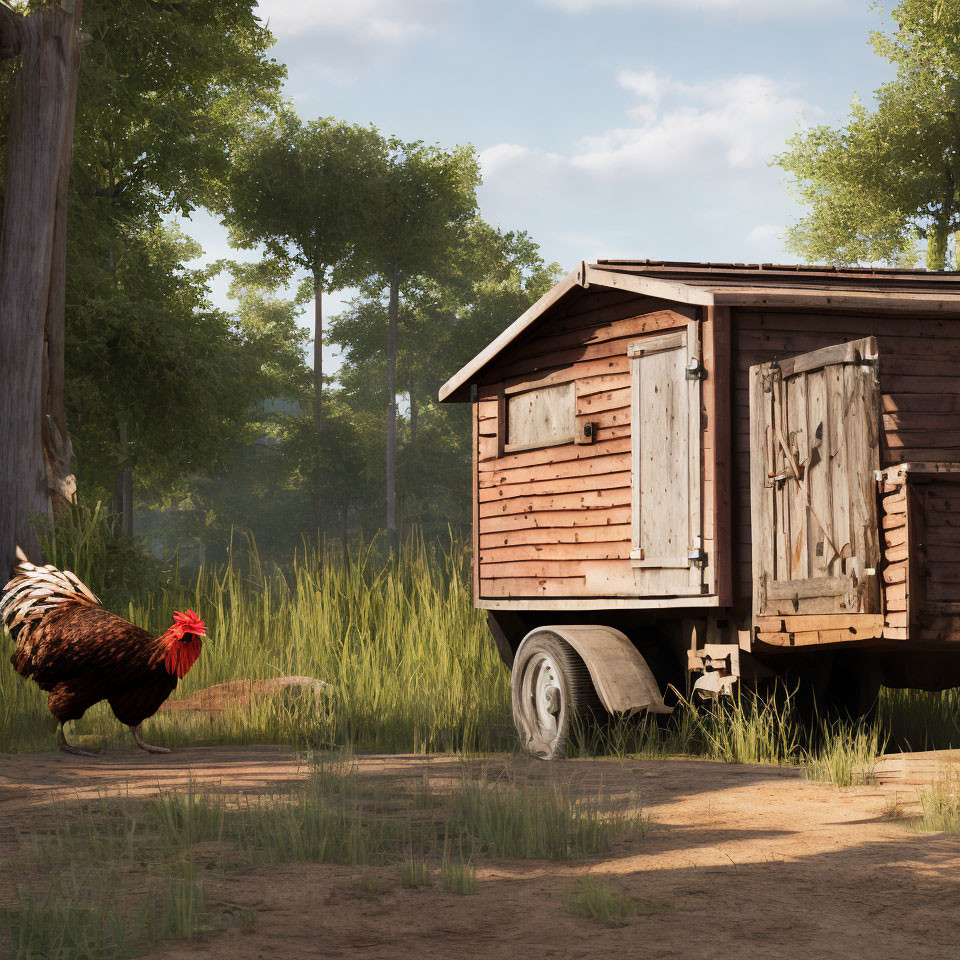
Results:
919 391
556 521
39 131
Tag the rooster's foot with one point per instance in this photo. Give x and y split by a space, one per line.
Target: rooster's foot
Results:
143 745
69 748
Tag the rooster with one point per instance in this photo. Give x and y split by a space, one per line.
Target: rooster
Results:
81 654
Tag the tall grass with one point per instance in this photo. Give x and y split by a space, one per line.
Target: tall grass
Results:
409 661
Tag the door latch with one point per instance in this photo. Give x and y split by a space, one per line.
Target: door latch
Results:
696 554
695 371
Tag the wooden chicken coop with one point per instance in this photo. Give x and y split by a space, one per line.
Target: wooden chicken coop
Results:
707 472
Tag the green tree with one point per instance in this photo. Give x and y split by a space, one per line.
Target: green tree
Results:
487 280
166 92
420 202
159 383
298 189
891 175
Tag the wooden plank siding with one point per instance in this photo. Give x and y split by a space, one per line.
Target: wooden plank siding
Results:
919 372
556 521
921 532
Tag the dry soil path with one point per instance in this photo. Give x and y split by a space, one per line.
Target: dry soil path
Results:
748 862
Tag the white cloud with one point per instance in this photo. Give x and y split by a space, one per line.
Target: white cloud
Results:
734 124
769 9
765 234
699 152
363 21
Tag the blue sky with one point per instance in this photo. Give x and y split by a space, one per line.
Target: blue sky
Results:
606 128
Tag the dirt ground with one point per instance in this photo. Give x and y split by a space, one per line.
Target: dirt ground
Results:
747 861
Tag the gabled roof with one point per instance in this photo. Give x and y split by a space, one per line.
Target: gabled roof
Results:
733 284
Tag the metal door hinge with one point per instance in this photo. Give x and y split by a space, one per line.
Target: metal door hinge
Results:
695 370
696 554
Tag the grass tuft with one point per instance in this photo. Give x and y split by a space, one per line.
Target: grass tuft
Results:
415 872
519 821
940 808
458 876
846 755
603 903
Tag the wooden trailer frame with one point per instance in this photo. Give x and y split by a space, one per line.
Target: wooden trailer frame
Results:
808 337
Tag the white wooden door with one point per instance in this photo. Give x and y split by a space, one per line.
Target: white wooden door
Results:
814 451
666 431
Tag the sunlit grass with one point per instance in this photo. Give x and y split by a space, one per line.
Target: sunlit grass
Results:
604 903
410 664
408 659
101 879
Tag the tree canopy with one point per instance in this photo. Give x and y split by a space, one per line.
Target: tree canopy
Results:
891 175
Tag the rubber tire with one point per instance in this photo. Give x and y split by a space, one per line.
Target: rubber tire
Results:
577 695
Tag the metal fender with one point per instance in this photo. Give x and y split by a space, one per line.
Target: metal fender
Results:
621 677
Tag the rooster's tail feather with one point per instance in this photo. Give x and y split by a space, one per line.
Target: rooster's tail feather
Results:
34 591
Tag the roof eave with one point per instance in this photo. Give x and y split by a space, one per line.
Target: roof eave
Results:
457 388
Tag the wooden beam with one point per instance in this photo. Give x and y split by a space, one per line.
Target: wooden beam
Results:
718 402
559 603
854 351
836 299
649 286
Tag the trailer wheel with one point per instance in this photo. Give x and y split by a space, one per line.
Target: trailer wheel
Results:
550 686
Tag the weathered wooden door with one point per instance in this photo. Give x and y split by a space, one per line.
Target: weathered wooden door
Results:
667 550
814 450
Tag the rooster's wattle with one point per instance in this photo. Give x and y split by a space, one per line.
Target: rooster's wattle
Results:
81 654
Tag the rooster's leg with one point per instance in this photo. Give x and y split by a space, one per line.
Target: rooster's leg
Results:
149 747
68 748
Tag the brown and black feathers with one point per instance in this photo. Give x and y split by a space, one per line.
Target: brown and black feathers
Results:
79 652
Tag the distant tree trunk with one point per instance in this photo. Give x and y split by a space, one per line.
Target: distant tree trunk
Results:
412 471
121 514
938 237
393 314
39 128
116 504
319 275
413 422
128 502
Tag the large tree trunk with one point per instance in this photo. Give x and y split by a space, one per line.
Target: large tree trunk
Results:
38 129
393 315
57 446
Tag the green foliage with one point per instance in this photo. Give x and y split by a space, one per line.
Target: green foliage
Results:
156 378
487 281
301 190
845 755
940 808
115 567
458 876
536 821
601 902
891 175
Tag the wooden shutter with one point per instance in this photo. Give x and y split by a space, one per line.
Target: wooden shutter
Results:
814 450
665 418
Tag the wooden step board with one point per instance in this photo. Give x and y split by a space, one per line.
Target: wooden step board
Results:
918 769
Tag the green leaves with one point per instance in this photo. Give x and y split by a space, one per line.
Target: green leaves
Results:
890 176
300 189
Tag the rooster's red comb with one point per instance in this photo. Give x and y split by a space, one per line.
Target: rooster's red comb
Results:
189 622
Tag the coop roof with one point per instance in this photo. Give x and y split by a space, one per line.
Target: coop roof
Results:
732 284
